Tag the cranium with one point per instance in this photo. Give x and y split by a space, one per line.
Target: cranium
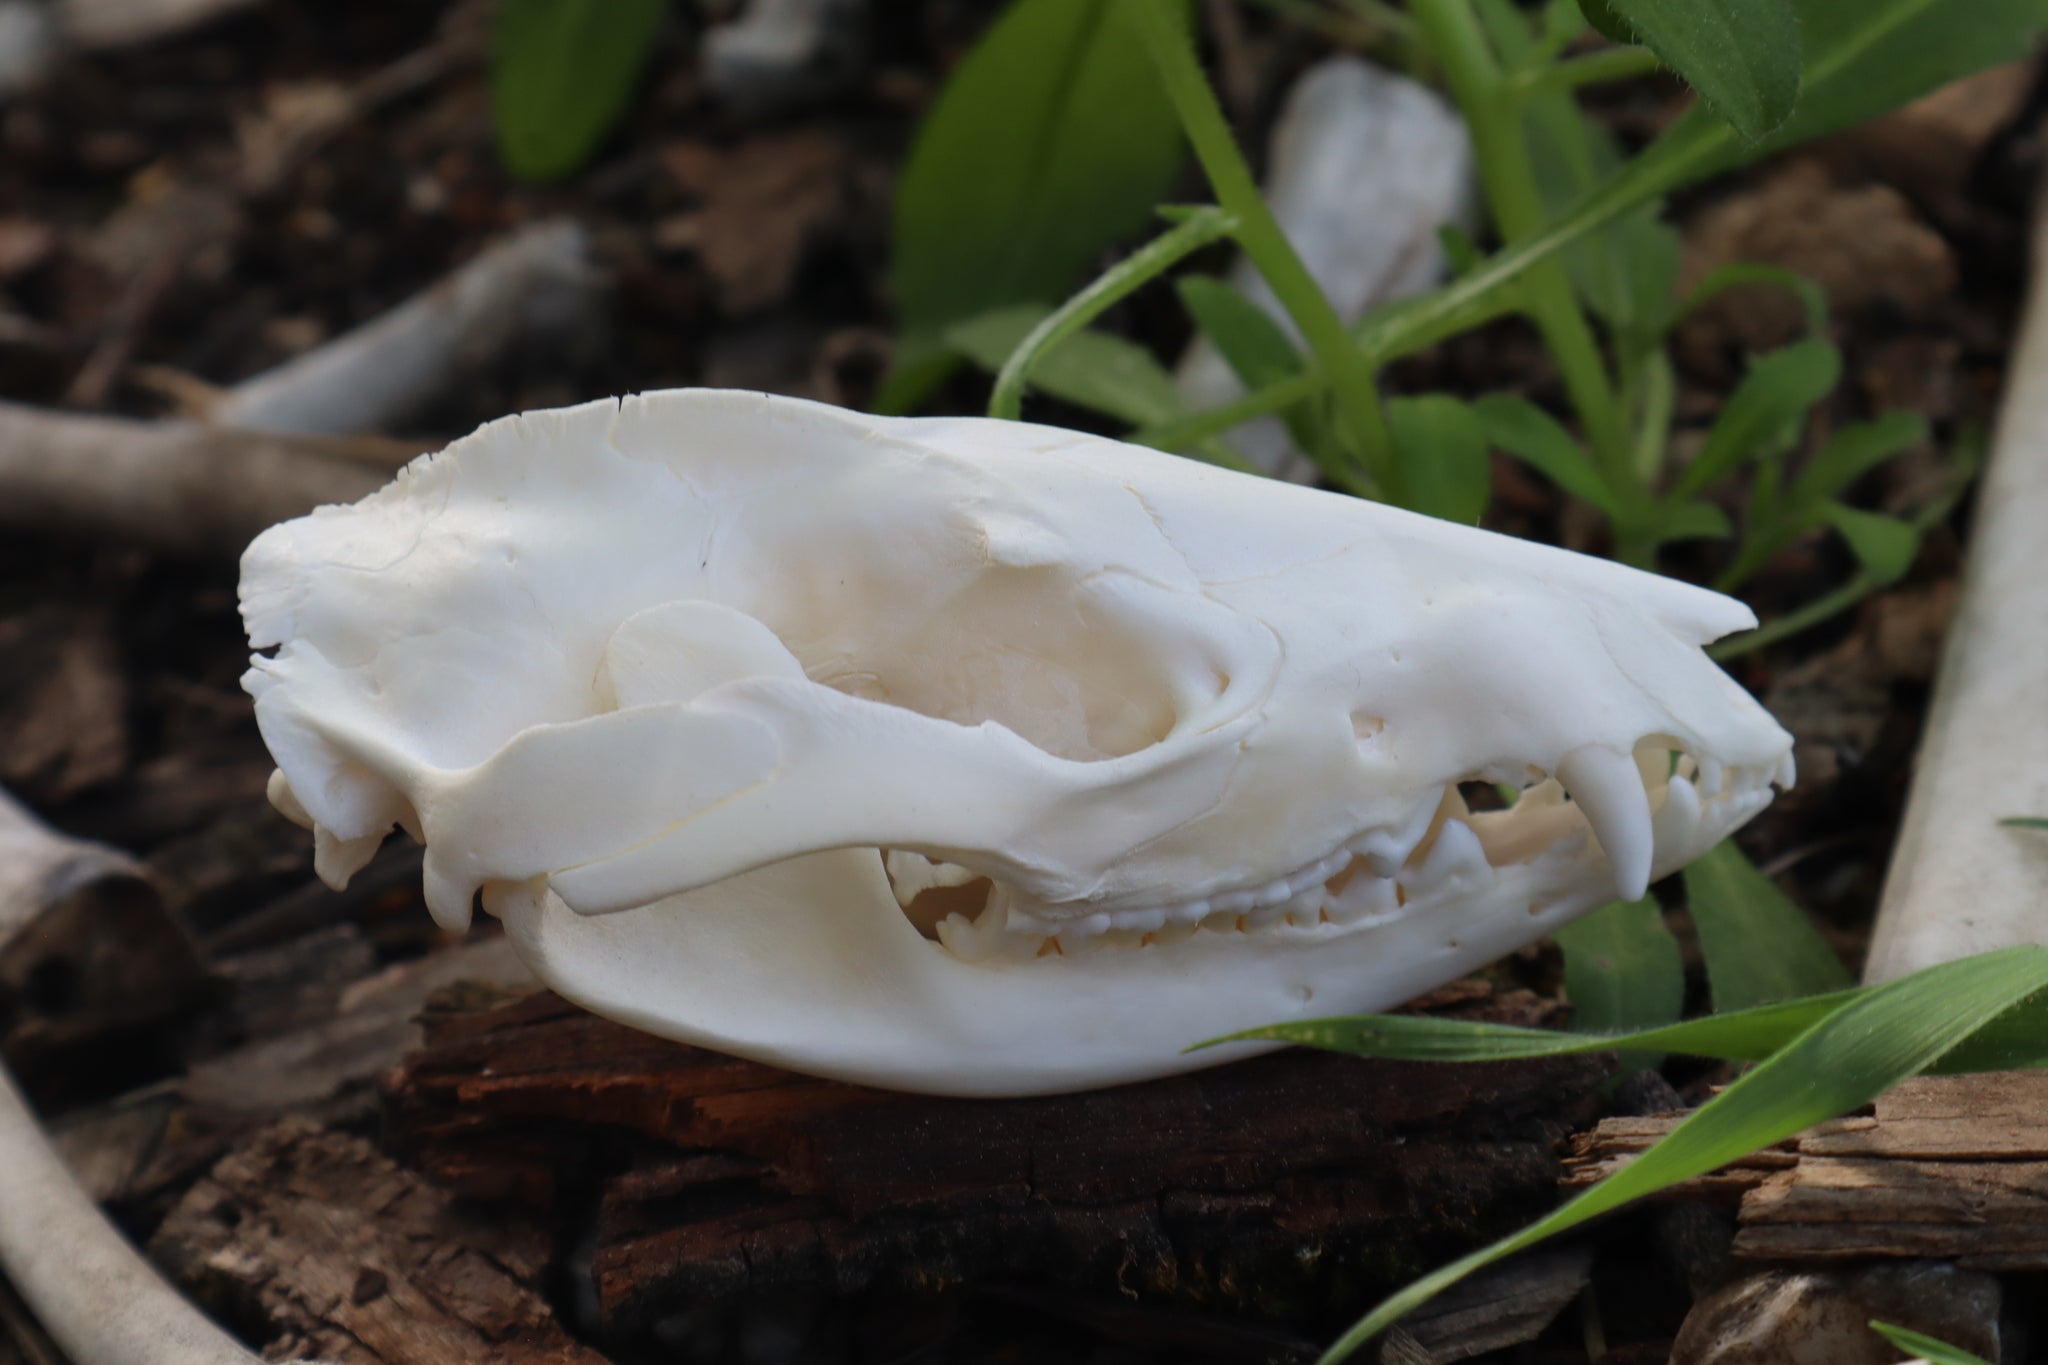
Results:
970 756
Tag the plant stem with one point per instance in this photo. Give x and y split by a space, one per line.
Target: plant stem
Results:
1147 263
1595 68
1341 362
1453 32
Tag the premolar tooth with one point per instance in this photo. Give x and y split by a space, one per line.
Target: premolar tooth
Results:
1455 853
1273 892
1678 820
1362 895
1710 778
1384 850
1607 787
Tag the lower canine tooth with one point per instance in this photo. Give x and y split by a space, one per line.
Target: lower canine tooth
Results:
1607 787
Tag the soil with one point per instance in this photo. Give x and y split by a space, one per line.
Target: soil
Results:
179 215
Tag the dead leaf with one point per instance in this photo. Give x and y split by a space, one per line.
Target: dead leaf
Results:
763 205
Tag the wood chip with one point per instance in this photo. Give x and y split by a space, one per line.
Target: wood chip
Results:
343 1257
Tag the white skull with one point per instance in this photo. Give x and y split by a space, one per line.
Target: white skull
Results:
968 756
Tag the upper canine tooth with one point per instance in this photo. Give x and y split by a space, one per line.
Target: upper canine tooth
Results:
1787 774
1607 787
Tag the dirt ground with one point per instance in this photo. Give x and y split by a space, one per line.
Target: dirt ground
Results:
182 214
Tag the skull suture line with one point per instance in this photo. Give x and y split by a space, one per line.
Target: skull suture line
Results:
974 757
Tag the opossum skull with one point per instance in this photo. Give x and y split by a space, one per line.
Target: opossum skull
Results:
970 756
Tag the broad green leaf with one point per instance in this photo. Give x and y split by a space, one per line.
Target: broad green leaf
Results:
1096 370
1741 55
1258 351
562 72
1441 448
1933 1350
1762 417
1759 946
1623 971
1884 546
1882 1036
1050 140
1537 439
1854 451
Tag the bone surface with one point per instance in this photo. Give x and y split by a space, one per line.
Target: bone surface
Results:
967 756
1960 882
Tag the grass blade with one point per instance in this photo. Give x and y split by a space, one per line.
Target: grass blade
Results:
1851 1056
1930 1349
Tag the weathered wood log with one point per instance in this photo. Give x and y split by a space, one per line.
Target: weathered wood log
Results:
1293 1184
1953 1167
343 1257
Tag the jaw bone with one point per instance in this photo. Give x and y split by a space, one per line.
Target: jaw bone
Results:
968 756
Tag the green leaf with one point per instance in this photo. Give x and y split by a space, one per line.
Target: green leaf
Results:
1884 546
1441 448
1246 334
1761 418
1923 1347
1737 274
1190 234
1258 351
1759 946
1051 140
2025 822
1607 21
562 72
1854 451
1096 370
1863 57
1741 55
1852 1055
1537 439
1623 971
1694 521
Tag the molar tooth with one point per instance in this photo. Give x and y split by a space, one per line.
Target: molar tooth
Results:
1232 903
1189 913
1273 892
1179 931
1606 786
1142 921
1306 906
1266 916
1221 922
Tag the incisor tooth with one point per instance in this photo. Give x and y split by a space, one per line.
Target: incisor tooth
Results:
1607 787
